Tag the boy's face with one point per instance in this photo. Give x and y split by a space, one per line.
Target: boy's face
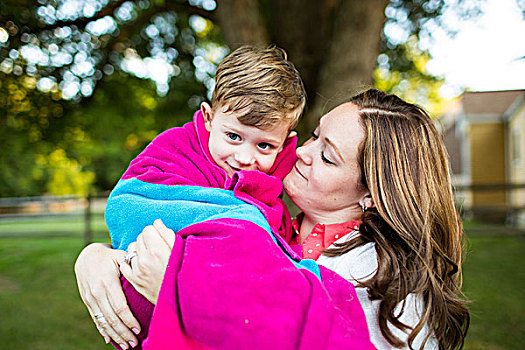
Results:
235 146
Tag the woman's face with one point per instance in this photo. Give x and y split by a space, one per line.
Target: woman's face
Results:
326 176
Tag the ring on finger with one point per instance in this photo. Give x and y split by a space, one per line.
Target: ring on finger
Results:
130 256
98 315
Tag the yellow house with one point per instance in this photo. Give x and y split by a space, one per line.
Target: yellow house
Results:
516 155
485 136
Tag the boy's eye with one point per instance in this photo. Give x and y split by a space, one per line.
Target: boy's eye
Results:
265 146
233 136
326 160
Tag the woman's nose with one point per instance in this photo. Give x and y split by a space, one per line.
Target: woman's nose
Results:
304 154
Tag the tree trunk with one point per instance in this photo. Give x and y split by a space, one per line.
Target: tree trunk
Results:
351 55
333 43
302 27
241 23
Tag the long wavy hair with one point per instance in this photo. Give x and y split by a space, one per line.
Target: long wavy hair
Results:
415 225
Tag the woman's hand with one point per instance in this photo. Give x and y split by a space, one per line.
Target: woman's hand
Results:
98 279
146 269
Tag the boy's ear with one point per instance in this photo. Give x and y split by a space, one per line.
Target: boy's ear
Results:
207 114
291 134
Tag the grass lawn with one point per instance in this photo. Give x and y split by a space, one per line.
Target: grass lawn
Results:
40 307
494 281
39 302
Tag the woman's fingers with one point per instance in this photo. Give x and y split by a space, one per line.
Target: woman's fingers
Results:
110 326
99 284
132 272
145 270
93 308
155 237
129 274
132 247
104 328
119 305
167 234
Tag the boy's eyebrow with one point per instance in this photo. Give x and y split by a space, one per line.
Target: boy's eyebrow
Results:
272 141
334 147
238 130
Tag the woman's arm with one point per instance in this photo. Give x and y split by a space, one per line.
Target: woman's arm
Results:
98 278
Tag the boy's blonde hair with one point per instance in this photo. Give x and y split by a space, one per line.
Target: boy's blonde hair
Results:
262 85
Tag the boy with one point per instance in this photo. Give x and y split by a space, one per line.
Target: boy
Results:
257 101
225 166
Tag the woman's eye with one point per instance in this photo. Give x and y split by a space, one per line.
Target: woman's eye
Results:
314 135
265 146
326 160
233 136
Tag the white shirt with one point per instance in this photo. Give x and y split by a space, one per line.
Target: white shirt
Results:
360 264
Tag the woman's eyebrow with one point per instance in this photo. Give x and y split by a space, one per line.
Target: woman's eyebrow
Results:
334 147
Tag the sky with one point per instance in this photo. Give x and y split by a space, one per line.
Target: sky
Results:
486 54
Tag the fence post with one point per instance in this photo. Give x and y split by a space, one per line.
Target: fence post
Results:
87 232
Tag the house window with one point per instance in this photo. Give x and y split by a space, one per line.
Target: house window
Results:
515 144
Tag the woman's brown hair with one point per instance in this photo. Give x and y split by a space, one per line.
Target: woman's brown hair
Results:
415 225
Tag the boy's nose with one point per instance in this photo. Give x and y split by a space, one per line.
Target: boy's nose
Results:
244 158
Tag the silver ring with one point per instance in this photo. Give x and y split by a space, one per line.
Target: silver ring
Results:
130 256
98 315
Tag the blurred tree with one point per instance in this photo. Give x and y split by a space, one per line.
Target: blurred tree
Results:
413 81
94 53
335 44
25 118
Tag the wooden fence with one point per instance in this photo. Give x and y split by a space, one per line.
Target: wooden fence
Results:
83 208
508 209
78 208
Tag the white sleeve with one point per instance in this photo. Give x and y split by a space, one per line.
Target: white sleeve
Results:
360 264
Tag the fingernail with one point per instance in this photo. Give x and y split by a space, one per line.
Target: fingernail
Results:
135 330
132 344
124 346
158 222
107 340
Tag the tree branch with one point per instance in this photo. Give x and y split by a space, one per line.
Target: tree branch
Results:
191 10
82 22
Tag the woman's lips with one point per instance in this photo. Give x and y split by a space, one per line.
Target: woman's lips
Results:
299 172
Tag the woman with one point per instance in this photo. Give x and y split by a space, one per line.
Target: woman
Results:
387 167
376 164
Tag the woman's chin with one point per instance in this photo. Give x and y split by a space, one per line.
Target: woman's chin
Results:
291 190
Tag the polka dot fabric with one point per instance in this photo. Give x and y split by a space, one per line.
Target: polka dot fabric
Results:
323 236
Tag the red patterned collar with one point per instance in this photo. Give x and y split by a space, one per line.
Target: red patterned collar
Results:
322 235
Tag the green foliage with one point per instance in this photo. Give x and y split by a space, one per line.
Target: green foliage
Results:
76 99
27 120
64 175
96 80
412 83
122 117
402 62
